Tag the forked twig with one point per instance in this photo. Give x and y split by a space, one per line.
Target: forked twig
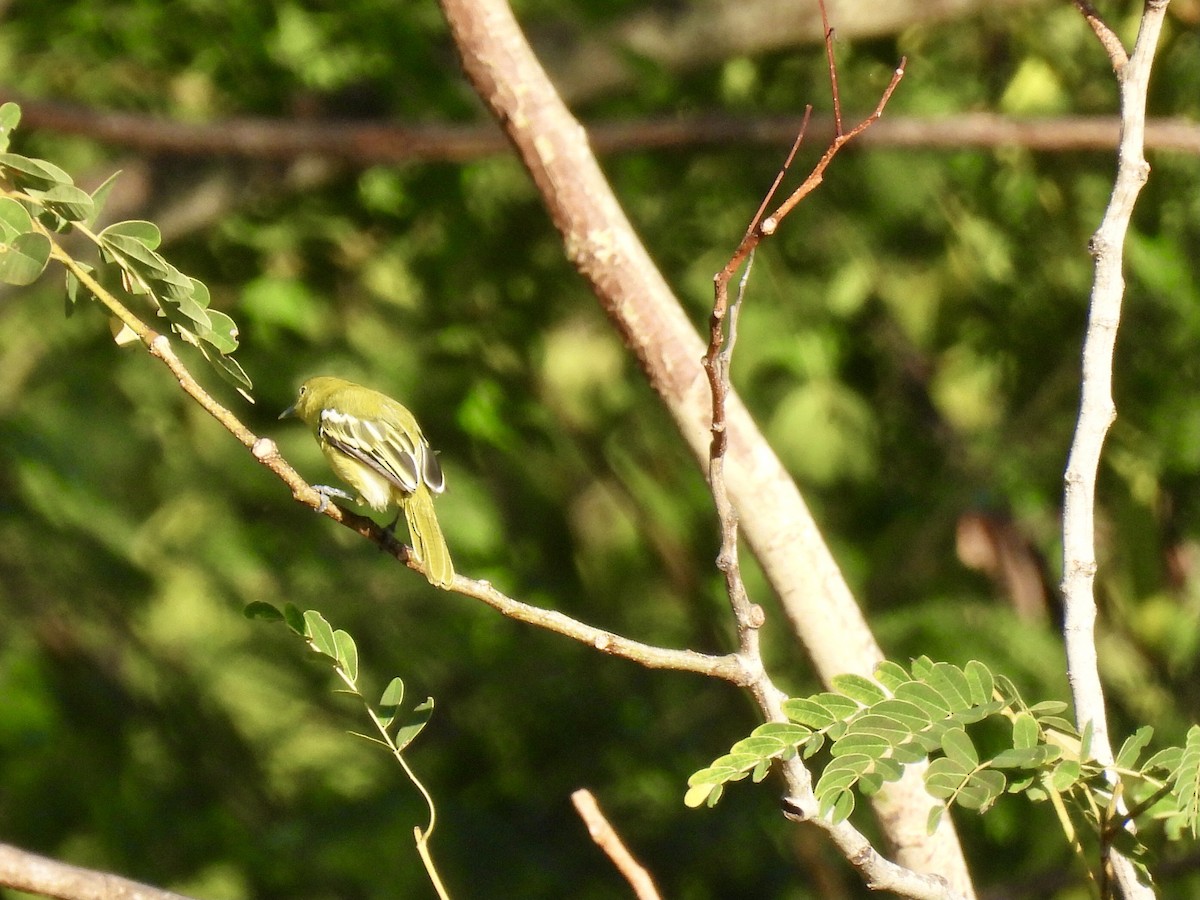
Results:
716 359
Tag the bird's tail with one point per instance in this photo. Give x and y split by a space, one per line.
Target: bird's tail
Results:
428 543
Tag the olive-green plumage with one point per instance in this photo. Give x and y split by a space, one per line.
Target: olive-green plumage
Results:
375 445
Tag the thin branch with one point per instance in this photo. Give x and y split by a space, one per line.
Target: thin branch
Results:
610 842
364 144
34 874
1107 37
1097 410
729 667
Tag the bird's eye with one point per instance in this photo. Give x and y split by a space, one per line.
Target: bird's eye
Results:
303 389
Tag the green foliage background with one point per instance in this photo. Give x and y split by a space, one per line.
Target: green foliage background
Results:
910 346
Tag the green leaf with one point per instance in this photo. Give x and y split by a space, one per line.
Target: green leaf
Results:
320 634
785 732
958 747
10 117
1064 775
980 681
701 793
904 712
294 618
261 609
347 654
32 174
1185 782
229 369
1048 708
1167 759
891 675
888 729
837 806
843 772
1009 691
1024 757
759 746
100 198
145 233
970 714
912 752
24 258
390 700
67 201
808 712
131 253
222 333
951 683
935 817
922 668
1026 732
14 219
929 700
981 790
944 777
408 732
862 690
1127 756
840 708
870 745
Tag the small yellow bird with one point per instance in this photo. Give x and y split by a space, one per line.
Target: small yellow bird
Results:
375 445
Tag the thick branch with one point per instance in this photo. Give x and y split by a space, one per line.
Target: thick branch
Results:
45 877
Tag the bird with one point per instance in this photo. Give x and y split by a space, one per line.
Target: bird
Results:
375 445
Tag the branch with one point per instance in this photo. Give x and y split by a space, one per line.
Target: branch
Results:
610 842
25 871
365 144
1096 407
729 667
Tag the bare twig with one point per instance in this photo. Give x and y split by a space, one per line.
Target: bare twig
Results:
25 871
1096 407
610 842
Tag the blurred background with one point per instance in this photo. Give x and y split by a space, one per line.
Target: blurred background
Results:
910 345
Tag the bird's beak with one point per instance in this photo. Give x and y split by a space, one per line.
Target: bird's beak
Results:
290 411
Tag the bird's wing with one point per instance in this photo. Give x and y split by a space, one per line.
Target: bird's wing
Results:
386 449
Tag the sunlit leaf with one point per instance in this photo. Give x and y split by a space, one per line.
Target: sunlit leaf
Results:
34 174
320 634
347 654
408 732
10 117
857 688
1133 746
14 219
24 258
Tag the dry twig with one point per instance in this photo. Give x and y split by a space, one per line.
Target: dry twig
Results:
610 842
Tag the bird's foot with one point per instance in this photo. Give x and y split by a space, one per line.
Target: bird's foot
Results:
331 493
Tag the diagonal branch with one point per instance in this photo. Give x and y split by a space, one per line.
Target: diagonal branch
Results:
729 667
46 877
